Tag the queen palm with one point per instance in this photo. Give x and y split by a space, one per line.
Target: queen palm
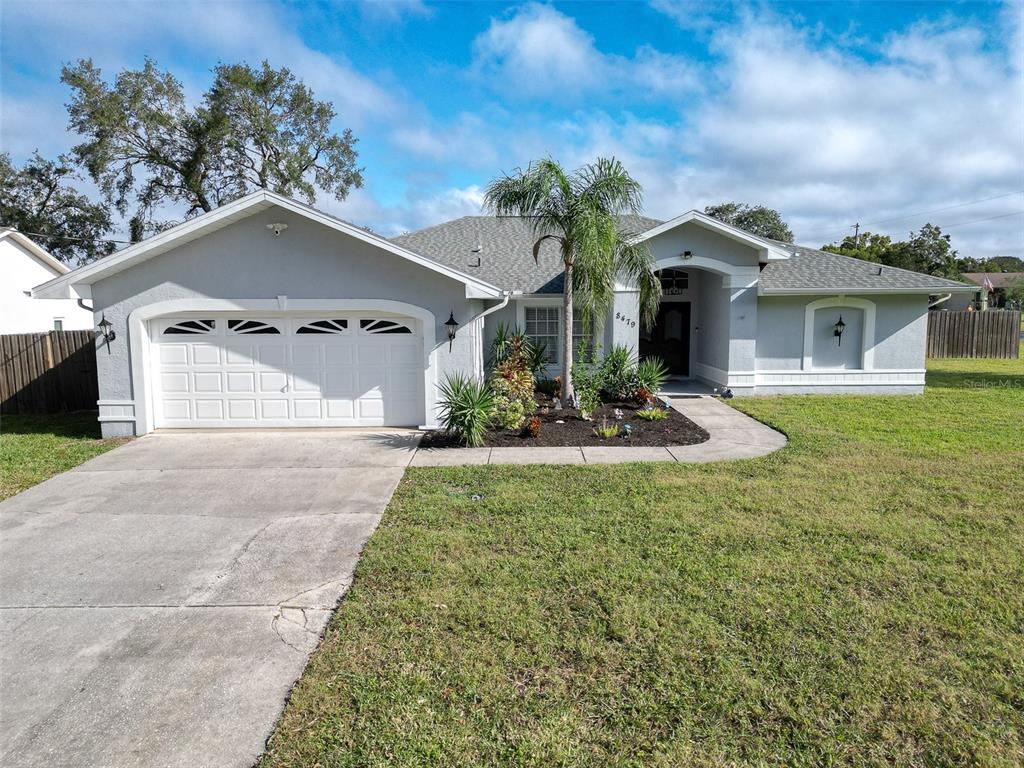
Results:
580 211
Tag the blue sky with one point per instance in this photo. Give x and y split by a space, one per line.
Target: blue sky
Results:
831 112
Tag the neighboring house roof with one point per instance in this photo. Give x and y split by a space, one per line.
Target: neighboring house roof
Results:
998 279
504 246
237 210
500 250
812 271
40 253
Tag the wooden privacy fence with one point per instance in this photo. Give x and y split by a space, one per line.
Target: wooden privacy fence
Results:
48 372
993 333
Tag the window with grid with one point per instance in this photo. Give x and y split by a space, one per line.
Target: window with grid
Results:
542 328
582 344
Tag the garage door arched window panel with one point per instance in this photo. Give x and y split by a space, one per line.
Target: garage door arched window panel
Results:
242 327
190 327
373 326
822 350
324 327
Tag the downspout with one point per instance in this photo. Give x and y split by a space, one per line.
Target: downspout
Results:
500 305
939 300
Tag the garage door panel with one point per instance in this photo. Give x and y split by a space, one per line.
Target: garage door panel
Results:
346 375
306 380
174 382
274 409
177 410
209 409
340 409
273 381
404 354
307 409
338 354
272 355
241 409
205 354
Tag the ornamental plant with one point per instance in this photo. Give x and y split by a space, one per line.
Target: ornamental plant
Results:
466 408
512 383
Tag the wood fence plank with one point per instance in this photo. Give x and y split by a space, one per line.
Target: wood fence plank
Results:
48 372
990 334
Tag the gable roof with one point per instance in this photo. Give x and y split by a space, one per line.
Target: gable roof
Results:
999 279
500 250
809 270
41 254
253 203
767 249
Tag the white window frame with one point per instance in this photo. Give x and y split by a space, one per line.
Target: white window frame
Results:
58 323
554 352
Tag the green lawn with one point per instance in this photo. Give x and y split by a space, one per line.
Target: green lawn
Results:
855 599
33 448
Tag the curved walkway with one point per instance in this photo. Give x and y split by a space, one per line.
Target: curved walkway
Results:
734 435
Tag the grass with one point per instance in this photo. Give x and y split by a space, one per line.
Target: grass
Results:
34 448
852 600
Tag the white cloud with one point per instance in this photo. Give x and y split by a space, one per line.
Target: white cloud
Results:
538 51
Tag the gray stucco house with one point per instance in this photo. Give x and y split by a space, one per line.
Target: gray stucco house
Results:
269 313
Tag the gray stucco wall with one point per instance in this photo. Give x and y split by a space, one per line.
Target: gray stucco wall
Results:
901 325
712 320
700 242
245 261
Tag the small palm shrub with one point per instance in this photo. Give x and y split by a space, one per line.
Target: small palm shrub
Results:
618 374
513 344
652 414
652 373
466 408
605 430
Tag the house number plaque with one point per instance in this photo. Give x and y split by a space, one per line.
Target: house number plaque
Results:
628 321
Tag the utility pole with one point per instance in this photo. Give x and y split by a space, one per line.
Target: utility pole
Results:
856 235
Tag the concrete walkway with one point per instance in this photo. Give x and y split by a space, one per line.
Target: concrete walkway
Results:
158 603
734 435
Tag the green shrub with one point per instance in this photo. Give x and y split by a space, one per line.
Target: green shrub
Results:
652 414
606 431
618 374
652 373
512 344
512 383
586 382
466 408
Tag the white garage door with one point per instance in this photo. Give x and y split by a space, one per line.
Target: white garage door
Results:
342 370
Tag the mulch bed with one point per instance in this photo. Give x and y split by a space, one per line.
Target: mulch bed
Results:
574 431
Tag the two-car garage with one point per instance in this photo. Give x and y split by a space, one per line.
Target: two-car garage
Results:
340 369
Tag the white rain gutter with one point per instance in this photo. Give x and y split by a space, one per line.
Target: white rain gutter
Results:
501 305
939 300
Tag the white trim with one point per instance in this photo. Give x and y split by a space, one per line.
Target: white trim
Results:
766 248
867 356
733 275
840 378
141 356
239 209
35 250
116 410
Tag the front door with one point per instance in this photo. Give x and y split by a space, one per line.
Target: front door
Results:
669 339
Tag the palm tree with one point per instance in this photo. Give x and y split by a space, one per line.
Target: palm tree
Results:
580 212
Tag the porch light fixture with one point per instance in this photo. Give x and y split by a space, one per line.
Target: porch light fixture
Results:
837 330
106 331
277 228
687 254
451 325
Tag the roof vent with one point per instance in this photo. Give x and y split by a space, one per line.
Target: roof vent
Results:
477 249
879 270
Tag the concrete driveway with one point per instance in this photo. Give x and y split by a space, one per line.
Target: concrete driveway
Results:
158 602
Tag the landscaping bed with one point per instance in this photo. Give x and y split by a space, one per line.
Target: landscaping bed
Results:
565 428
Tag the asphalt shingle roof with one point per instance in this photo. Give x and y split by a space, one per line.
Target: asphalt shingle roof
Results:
504 247
505 252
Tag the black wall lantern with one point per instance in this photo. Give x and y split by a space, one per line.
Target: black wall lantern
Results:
106 330
451 325
838 329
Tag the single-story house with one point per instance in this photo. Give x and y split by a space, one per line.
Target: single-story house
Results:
24 264
268 313
979 298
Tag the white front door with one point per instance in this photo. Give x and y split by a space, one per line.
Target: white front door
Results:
339 370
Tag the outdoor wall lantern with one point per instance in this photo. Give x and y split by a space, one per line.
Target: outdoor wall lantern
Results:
106 331
451 325
838 329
